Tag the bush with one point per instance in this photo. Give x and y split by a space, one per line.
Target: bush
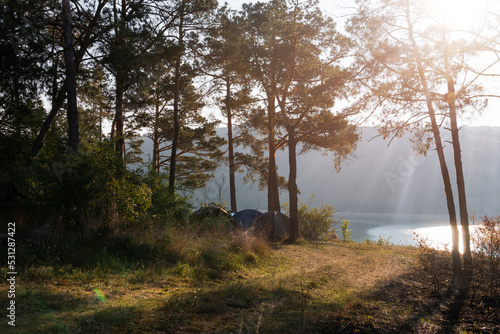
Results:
130 200
486 241
87 189
433 264
70 187
163 203
315 223
246 243
210 255
346 234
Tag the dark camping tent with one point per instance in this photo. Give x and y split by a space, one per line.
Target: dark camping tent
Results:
245 218
209 211
273 225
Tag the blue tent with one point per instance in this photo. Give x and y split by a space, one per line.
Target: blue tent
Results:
245 218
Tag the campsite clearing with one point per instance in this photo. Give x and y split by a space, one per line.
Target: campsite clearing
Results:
322 287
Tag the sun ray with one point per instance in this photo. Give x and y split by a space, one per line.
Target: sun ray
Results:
458 14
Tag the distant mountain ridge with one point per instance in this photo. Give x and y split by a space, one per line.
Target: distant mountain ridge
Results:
381 179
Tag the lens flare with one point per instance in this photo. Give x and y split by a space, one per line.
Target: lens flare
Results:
99 295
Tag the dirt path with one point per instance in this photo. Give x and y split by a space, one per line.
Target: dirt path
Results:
359 265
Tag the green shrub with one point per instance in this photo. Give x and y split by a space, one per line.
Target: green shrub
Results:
163 203
379 242
214 260
131 200
64 186
346 234
315 223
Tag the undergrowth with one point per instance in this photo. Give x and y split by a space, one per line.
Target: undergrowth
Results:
161 277
140 251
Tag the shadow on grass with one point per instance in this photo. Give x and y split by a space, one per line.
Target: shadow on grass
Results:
235 308
115 319
406 304
213 308
41 309
46 312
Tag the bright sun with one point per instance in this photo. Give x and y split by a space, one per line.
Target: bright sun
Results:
458 14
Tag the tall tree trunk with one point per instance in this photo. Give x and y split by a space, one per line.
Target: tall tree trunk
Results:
457 154
455 252
69 55
113 129
292 184
462 199
175 141
156 138
119 78
58 96
100 125
230 143
119 123
156 165
273 198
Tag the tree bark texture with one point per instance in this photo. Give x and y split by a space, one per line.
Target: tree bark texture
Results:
292 185
455 252
273 199
457 155
462 199
175 140
156 139
119 78
69 55
230 143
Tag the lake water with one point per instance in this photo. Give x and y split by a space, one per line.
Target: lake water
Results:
399 229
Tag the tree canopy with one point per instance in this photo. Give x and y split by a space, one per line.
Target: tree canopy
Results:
279 74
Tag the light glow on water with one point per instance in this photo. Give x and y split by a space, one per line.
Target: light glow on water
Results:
438 237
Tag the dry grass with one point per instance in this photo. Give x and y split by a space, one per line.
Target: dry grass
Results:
247 242
324 287
283 293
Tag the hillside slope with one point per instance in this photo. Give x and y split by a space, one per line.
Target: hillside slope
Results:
379 178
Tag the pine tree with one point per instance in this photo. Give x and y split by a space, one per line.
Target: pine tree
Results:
189 18
303 50
221 60
90 21
197 147
69 57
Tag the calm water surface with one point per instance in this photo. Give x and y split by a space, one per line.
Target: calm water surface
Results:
399 229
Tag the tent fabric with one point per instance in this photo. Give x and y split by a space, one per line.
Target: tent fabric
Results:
245 218
209 211
273 225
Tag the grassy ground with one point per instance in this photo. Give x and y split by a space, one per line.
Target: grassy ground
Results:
324 287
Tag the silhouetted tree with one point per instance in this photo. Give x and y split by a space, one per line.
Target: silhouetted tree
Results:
304 56
223 63
412 64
